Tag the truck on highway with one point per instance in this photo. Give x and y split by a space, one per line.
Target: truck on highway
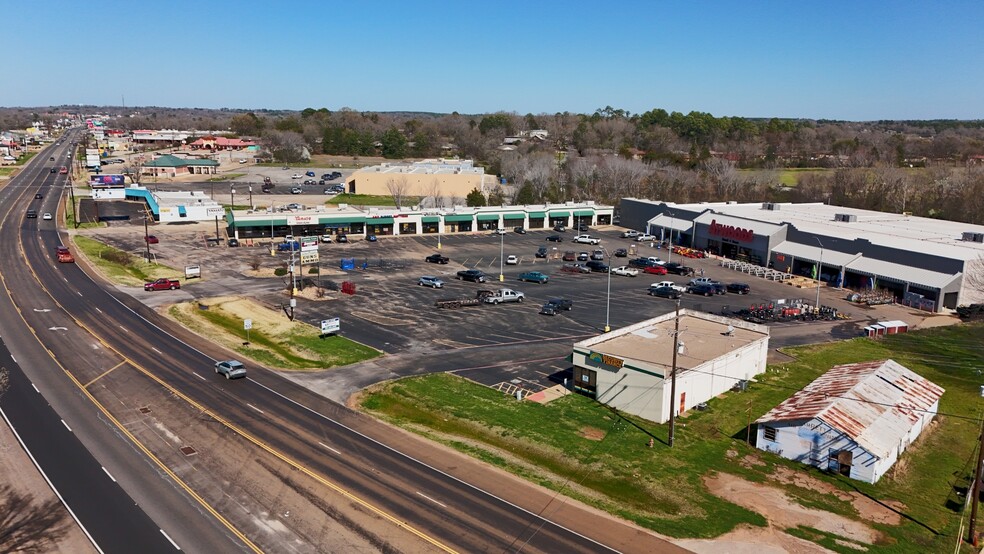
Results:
454 303
504 295
163 284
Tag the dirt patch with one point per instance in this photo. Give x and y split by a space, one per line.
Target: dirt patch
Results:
592 433
867 508
751 461
753 540
784 512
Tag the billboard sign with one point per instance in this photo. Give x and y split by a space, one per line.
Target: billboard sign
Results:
107 179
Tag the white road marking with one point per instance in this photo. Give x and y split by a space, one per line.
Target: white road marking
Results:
66 426
330 448
156 350
174 544
35 388
441 504
78 293
13 358
42 310
98 310
124 329
254 407
200 377
106 471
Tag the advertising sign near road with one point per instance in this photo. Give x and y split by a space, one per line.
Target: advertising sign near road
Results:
329 326
309 257
111 179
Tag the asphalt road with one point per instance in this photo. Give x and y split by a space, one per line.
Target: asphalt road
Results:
74 314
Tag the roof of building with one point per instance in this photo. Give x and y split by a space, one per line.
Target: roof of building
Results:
167 160
440 166
223 141
873 403
900 231
704 336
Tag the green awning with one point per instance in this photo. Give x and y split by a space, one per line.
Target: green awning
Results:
258 223
457 218
430 219
488 217
514 216
538 215
379 221
560 214
349 219
583 213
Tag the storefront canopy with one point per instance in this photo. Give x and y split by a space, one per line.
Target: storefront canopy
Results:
430 219
457 218
349 219
514 216
379 221
560 214
488 217
583 213
538 215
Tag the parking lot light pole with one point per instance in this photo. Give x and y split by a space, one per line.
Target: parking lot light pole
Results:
147 236
608 297
819 272
501 243
232 198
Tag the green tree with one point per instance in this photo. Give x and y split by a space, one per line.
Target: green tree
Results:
475 199
496 121
289 124
525 195
394 144
247 124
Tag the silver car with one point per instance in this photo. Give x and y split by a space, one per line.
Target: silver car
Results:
232 369
430 281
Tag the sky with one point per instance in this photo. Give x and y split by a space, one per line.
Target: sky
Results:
846 60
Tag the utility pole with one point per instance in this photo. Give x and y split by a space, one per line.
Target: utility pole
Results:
673 372
976 488
147 236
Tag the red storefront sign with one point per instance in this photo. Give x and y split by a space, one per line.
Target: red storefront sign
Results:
731 232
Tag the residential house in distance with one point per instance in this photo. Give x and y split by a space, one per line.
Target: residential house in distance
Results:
855 419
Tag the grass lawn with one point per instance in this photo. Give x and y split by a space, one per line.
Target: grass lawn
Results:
7 171
369 200
120 268
226 177
558 445
274 341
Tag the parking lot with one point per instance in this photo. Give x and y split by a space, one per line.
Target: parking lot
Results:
498 345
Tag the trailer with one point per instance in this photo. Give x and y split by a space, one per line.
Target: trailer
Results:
455 303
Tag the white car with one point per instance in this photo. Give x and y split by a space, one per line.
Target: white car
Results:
630 234
46 216
499 232
296 190
297 176
242 160
645 238
232 369
671 284
626 271
326 238
512 260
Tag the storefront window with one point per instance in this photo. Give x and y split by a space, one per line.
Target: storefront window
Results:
408 228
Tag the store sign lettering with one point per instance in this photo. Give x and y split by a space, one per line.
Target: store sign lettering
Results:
731 232
605 359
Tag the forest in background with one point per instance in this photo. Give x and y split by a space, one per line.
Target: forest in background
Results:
929 168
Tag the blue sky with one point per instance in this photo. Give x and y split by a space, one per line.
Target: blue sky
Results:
854 60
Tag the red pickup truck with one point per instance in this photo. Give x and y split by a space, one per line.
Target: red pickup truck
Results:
163 284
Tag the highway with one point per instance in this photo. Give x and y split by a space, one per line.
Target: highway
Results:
102 338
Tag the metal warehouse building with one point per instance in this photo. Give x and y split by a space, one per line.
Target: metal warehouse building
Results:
922 261
631 368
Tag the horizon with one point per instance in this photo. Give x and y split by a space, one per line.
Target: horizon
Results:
852 63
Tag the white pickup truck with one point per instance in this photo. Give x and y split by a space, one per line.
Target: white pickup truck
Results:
505 295
587 239
670 284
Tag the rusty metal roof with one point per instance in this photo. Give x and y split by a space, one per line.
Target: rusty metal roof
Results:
874 403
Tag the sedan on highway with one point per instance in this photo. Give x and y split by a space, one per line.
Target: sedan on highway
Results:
296 190
46 216
232 369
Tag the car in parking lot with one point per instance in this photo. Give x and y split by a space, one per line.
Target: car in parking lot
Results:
583 256
570 256
664 292
330 191
430 281
541 252
620 253
671 284
499 231
46 216
511 260
309 173
152 239
296 190
297 176
519 230
555 238
701 281
596 266
587 239
598 255
341 238
534 277
309 182
232 369
554 306
654 270
560 228
738 288
371 238
574 268
645 237
437 259
703 289
233 243
474 275
719 288
625 271
678 269
294 206
630 234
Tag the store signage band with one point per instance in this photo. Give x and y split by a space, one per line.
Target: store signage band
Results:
605 359
731 232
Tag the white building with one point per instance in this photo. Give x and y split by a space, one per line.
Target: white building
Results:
855 419
630 368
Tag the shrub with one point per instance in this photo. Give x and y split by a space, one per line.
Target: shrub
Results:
280 271
117 257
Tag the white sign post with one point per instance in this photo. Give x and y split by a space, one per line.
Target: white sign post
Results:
247 325
329 326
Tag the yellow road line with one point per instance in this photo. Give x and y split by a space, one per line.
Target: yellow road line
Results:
85 386
338 489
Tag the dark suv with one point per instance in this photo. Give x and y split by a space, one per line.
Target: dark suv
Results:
596 266
555 305
739 288
473 275
702 289
436 259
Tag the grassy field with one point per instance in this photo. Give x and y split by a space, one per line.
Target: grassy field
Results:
274 341
121 268
790 177
369 200
7 171
583 449
226 177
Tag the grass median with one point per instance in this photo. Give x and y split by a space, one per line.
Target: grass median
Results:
121 267
585 450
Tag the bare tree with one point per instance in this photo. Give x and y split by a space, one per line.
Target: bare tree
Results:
29 527
285 146
398 188
434 193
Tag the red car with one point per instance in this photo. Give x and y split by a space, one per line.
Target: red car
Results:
63 170
654 269
151 239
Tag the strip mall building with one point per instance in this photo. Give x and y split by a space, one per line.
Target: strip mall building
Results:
922 261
